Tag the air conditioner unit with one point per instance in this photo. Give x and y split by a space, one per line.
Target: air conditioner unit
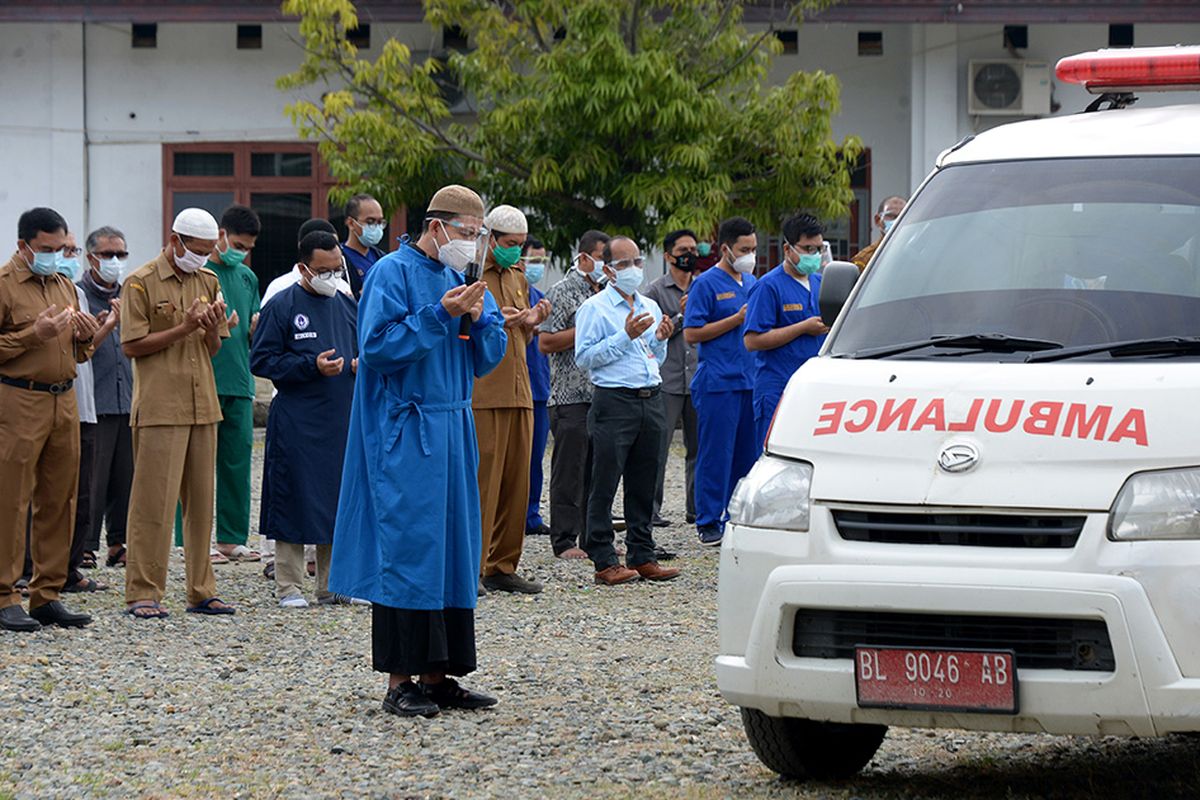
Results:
1009 88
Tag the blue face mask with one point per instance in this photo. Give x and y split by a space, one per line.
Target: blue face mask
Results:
534 272
45 263
67 266
371 234
629 279
887 225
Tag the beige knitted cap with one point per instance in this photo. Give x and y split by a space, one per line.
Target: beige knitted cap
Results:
455 199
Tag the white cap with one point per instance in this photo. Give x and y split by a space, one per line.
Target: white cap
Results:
196 223
506 219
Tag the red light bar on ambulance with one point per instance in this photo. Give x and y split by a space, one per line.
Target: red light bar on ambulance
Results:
1140 68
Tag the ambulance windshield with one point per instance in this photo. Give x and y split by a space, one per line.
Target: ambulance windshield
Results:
1070 251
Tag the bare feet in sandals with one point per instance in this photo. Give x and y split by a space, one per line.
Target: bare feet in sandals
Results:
572 553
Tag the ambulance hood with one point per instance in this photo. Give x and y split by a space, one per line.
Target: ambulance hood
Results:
1052 435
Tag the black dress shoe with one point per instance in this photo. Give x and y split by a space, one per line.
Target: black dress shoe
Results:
448 694
14 618
55 613
691 519
659 522
540 530
510 582
663 554
407 700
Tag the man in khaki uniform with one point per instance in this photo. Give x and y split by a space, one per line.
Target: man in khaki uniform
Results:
172 323
503 407
43 335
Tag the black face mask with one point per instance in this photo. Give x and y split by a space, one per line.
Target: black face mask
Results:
686 262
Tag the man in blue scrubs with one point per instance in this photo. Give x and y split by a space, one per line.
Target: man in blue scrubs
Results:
783 321
534 260
714 319
407 536
364 231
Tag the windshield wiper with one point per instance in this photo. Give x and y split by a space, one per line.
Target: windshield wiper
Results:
1155 345
985 342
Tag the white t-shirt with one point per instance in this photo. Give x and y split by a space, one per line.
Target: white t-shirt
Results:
85 383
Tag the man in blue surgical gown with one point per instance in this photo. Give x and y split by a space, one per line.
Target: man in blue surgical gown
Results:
408 535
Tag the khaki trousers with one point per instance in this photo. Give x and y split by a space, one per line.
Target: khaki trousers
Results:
39 466
169 462
505 442
290 567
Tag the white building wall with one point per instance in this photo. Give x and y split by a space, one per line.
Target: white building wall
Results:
906 105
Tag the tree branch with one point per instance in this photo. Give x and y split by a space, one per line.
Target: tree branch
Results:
724 72
634 21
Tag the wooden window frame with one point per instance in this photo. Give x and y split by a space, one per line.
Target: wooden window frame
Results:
241 184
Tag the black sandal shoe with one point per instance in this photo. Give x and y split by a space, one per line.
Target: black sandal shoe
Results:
88 561
116 558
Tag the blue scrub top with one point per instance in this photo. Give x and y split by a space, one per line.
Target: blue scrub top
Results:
358 265
725 364
779 300
539 365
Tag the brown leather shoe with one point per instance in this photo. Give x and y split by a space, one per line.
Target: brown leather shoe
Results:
615 574
651 571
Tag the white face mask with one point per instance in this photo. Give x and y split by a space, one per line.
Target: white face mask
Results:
746 263
456 253
189 262
326 287
110 269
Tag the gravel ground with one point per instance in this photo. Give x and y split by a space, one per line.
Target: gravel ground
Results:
604 693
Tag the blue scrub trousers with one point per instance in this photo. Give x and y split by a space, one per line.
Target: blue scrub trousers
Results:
729 446
764 410
541 431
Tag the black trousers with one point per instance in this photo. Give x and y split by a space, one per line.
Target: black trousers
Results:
626 427
113 479
570 475
679 407
412 642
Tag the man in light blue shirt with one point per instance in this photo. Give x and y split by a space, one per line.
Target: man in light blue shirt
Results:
618 341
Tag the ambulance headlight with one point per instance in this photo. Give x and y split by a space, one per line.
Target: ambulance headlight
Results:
775 494
1157 505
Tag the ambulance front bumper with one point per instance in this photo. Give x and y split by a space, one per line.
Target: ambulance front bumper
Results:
1145 694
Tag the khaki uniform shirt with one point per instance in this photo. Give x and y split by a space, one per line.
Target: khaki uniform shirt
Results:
23 354
174 386
863 257
507 386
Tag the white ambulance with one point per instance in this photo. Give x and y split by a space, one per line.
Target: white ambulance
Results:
979 508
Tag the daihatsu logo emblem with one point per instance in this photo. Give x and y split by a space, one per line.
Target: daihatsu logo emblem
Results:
958 457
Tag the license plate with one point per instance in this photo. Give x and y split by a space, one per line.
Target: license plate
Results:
950 680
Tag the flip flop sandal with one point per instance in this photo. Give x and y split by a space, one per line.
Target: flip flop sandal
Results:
22 586
88 561
86 585
243 553
206 607
116 559
269 571
217 557
159 611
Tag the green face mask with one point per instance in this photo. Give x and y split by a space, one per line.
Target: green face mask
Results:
233 257
506 256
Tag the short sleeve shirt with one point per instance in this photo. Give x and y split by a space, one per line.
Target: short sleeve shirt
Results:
174 386
568 382
779 300
725 364
231 364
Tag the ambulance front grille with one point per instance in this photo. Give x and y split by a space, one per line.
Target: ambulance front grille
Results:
962 529
1039 642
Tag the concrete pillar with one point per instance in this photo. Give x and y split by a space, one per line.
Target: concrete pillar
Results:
935 95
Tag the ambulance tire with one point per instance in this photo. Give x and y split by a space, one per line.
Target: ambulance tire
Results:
805 748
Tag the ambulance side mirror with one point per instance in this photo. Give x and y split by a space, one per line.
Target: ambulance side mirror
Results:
837 281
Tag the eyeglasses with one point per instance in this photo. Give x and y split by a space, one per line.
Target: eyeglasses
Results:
121 254
461 227
808 249
71 252
371 221
537 260
625 263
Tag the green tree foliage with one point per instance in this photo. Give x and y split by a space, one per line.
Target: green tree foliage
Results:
633 116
